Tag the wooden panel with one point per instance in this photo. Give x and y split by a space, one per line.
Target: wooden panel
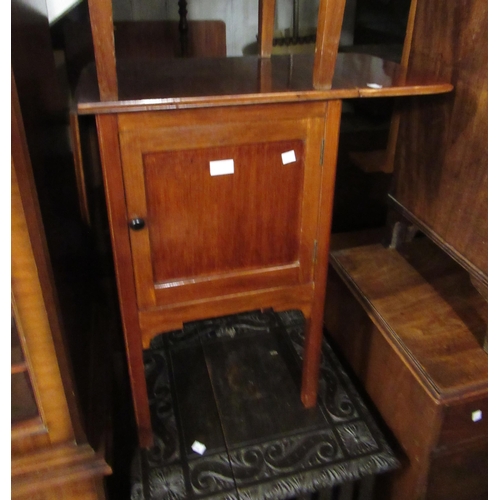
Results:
461 475
187 83
198 415
266 27
65 472
441 158
172 317
201 225
160 39
312 344
440 344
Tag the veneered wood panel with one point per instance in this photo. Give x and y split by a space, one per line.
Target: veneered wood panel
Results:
207 236
461 475
202 225
443 345
405 359
314 335
441 159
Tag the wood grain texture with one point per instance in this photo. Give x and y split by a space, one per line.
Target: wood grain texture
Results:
441 159
187 83
312 344
79 168
406 359
330 18
208 236
159 40
395 398
101 21
33 293
66 472
442 345
266 27
390 151
110 158
172 317
461 474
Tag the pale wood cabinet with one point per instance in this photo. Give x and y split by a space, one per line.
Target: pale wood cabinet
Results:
51 457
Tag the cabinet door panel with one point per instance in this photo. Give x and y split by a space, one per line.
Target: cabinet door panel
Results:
202 225
208 235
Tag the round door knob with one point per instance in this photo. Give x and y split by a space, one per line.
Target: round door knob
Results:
136 224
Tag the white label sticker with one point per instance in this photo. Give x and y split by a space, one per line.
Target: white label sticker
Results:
477 415
374 85
221 167
288 157
198 447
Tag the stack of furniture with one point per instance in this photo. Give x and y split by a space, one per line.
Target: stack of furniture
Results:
411 318
219 178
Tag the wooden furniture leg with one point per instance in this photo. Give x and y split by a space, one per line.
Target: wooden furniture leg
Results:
312 347
110 154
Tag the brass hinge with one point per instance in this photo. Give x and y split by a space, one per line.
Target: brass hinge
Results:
322 153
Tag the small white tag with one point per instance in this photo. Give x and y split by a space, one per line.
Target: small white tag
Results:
221 167
198 447
374 85
288 157
477 415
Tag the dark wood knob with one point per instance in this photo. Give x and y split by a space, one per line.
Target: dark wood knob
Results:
137 224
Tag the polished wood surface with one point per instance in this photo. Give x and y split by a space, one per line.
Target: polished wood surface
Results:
101 21
208 236
330 17
395 295
211 245
67 472
425 372
107 128
441 166
186 83
312 345
265 36
160 40
50 456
